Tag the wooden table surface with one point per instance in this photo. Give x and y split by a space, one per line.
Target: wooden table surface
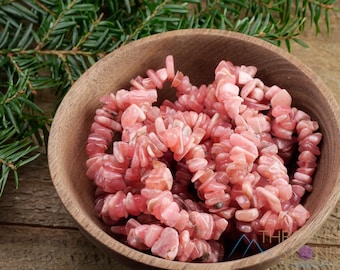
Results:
36 232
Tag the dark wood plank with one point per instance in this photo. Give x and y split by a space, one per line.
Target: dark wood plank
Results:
324 257
35 202
329 233
26 247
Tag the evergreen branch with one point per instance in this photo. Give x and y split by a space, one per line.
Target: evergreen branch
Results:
8 164
145 22
14 155
43 7
83 39
67 69
21 118
58 53
322 5
21 73
6 2
9 99
54 25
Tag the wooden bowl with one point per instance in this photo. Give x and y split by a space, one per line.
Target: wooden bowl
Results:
196 53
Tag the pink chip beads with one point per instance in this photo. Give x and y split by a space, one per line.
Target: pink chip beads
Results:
178 178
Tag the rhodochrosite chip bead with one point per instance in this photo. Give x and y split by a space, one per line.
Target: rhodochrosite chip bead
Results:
185 174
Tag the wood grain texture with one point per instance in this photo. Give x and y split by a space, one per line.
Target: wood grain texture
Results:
324 257
50 248
36 232
329 233
35 202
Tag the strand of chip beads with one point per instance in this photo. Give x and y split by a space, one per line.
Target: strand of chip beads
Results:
224 97
168 243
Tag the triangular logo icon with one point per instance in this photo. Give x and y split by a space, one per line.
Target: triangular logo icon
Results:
250 243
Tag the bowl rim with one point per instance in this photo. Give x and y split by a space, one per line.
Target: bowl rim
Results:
100 238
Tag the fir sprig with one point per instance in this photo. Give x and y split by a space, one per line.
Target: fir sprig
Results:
22 123
46 45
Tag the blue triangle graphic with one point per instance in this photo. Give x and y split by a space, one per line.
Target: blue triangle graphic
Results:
243 236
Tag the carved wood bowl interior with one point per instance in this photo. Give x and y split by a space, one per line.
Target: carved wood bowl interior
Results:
196 53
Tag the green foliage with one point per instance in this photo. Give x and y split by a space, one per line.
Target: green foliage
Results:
45 45
21 122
